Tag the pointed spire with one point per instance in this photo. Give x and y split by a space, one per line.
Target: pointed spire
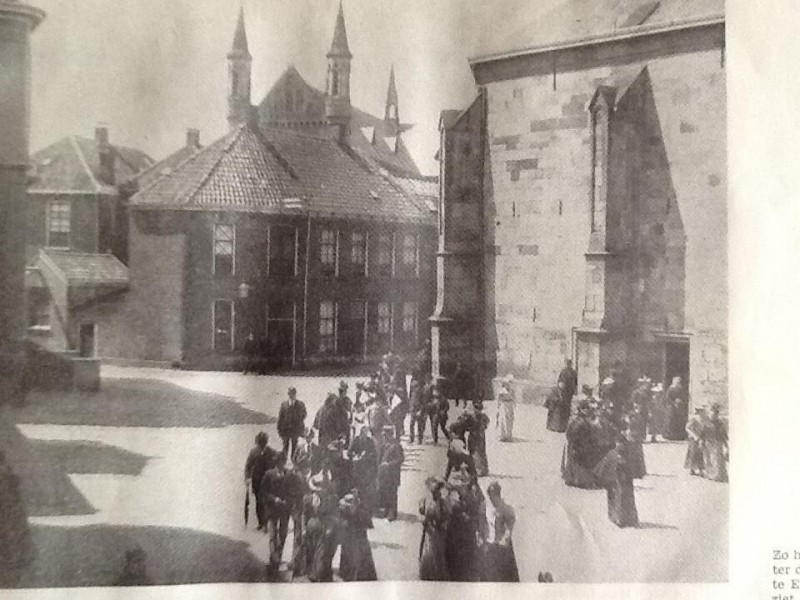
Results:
391 94
239 48
339 45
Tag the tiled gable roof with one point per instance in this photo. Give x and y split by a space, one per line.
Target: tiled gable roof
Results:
573 20
254 169
72 165
165 166
88 269
292 102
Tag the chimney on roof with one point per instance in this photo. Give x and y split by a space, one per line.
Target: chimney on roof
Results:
106 156
193 138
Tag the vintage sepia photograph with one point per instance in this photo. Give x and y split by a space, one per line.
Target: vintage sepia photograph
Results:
344 291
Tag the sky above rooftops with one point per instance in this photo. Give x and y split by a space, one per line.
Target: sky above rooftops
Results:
150 69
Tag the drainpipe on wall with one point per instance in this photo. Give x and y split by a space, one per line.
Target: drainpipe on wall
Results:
305 285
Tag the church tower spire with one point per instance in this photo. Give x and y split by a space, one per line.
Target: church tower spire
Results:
392 113
239 73
337 87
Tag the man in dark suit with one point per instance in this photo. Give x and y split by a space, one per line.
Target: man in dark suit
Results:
291 421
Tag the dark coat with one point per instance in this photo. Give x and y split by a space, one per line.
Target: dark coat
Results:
291 418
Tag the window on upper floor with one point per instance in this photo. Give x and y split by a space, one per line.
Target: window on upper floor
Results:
385 255
358 252
327 251
59 224
224 250
410 251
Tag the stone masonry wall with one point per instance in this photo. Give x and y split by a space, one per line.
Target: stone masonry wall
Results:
538 207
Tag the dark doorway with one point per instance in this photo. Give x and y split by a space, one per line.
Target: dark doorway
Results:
86 347
676 362
280 348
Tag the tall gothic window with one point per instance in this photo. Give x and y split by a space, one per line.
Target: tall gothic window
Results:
600 110
334 82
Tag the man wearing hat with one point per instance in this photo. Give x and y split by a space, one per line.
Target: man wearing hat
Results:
291 421
477 439
345 406
391 461
259 461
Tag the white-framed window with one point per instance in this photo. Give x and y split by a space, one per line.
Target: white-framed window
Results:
223 320
59 223
410 250
224 249
384 318
327 250
410 313
358 251
327 327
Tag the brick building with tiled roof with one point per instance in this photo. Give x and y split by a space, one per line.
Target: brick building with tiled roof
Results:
292 235
76 221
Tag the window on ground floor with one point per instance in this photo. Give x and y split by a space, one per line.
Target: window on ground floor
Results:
410 314
327 327
223 321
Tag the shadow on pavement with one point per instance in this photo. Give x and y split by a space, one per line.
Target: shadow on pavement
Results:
94 556
136 403
43 468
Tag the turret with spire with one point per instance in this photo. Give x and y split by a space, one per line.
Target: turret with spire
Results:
392 112
337 88
239 73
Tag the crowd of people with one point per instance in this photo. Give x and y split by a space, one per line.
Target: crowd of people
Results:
605 434
333 478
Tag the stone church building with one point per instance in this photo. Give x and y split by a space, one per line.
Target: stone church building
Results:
583 211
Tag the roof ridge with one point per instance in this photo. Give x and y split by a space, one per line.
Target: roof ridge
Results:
262 137
180 165
225 150
74 142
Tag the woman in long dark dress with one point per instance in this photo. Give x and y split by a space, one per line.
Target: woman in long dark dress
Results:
576 461
614 472
715 447
636 435
321 509
677 411
695 428
499 561
476 442
356 562
558 408
461 547
435 518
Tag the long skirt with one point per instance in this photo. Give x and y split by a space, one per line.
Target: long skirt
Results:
622 503
505 421
558 417
499 563
321 548
675 429
356 563
715 462
637 465
432 560
575 475
694 457
461 554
